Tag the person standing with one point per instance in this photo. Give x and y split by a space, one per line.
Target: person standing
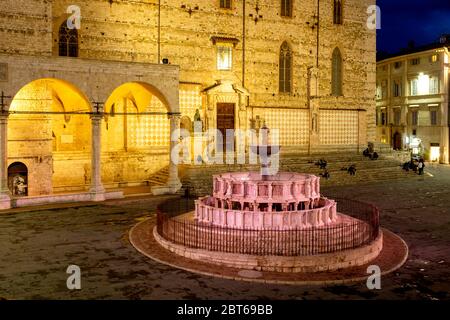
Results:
421 166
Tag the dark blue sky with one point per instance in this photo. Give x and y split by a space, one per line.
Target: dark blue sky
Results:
403 20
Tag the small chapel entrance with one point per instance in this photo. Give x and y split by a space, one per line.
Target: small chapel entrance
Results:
18 179
225 120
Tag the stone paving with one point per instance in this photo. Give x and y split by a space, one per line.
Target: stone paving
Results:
37 247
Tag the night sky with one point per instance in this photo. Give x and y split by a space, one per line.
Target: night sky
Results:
422 21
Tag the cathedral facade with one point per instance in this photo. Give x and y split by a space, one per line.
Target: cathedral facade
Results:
93 89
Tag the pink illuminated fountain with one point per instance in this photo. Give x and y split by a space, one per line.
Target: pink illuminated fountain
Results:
257 201
271 221
284 200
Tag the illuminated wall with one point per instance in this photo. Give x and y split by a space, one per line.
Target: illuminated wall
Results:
36 134
135 141
338 127
293 124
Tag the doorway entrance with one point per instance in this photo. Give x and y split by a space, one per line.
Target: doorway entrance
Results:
18 179
397 141
225 120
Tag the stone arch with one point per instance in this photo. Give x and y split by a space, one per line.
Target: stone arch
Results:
139 93
62 88
49 123
18 179
186 123
135 134
136 113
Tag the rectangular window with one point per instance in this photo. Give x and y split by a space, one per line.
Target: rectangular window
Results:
225 4
379 92
414 91
397 89
415 62
286 8
434 58
414 117
224 58
383 118
337 13
398 65
433 117
384 89
434 85
397 116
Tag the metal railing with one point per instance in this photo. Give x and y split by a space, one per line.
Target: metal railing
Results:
354 233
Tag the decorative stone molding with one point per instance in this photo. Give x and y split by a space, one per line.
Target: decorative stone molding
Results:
286 201
242 219
284 187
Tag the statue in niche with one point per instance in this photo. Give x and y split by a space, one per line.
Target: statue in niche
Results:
198 124
19 185
197 115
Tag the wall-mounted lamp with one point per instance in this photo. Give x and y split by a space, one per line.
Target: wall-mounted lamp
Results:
313 25
256 17
189 9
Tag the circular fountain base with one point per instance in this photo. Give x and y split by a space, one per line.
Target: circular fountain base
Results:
286 264
280 225
388 251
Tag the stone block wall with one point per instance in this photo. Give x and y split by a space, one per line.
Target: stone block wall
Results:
128 31
118 42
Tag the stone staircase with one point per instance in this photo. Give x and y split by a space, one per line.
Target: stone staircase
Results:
159 178
388 167
142 188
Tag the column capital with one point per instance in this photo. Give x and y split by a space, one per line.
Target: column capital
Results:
97 116
174 115
4 112
97 111
4 116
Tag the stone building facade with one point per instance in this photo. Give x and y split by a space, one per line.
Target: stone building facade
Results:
306 68
413 101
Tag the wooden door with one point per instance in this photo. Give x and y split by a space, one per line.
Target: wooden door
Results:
225 120
397 145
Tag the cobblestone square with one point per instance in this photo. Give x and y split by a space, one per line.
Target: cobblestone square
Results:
38 246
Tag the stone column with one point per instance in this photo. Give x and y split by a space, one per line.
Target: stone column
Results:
97 190
174 182
5 194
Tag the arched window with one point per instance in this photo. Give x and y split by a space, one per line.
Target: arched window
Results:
285 68
286 8
336 76
337 13
68 41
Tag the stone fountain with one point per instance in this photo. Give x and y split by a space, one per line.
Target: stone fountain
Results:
282 200
271 227
271 221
